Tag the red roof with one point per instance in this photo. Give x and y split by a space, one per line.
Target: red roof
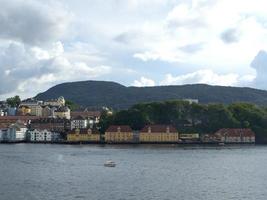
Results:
236 132
115 129
159 129
85 114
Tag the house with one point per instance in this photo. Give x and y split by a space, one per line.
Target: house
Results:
79 122
3 133
24 110
83 135
51 124
92 117
238 135
38 135
119 134
34 106
62 112
16 133
59 102
159 134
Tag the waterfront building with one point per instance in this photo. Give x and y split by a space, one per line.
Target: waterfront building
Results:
16 133
189 136
62 112
79 122
119 134
51 124
3 133
38 135
159 134
83 135
231 135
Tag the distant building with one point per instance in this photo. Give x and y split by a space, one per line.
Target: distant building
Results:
62 112
231 135
24 110
189 136
11 111
119 134
92 117
37 135
3 133
34 106
159 134
16 133
79 122
59 102
51 124
83 135
191 101
6 121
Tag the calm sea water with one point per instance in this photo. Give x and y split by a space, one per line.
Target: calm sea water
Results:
62 172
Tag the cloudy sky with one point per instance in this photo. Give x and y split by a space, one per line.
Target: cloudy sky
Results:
133 42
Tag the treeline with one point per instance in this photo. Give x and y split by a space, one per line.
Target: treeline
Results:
188 118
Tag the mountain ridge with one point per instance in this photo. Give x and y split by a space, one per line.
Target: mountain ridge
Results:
96 94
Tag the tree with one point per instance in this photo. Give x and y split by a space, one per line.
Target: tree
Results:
72 106
13 101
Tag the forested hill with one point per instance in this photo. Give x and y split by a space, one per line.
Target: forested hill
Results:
111 94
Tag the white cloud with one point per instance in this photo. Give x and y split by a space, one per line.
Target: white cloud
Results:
206 76
144 82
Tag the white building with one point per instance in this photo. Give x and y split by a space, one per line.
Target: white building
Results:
43 136
79 123
55 102
16 133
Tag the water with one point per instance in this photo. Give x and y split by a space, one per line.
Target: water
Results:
65 172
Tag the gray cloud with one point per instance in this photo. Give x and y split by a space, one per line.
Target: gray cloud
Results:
31 22
230 36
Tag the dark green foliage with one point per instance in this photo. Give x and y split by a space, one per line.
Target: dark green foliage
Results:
13 101
190 118
96 94
72 106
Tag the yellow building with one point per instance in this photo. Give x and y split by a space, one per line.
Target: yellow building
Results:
83 135
119 134
159 134
24 110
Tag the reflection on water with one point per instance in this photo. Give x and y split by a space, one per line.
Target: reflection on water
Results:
66 172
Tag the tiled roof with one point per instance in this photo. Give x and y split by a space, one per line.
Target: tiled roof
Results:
159 129
22 118
236 132
85 114
78 118
123 128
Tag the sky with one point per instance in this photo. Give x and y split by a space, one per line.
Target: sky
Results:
132 42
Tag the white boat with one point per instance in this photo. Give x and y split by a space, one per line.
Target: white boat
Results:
110 163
